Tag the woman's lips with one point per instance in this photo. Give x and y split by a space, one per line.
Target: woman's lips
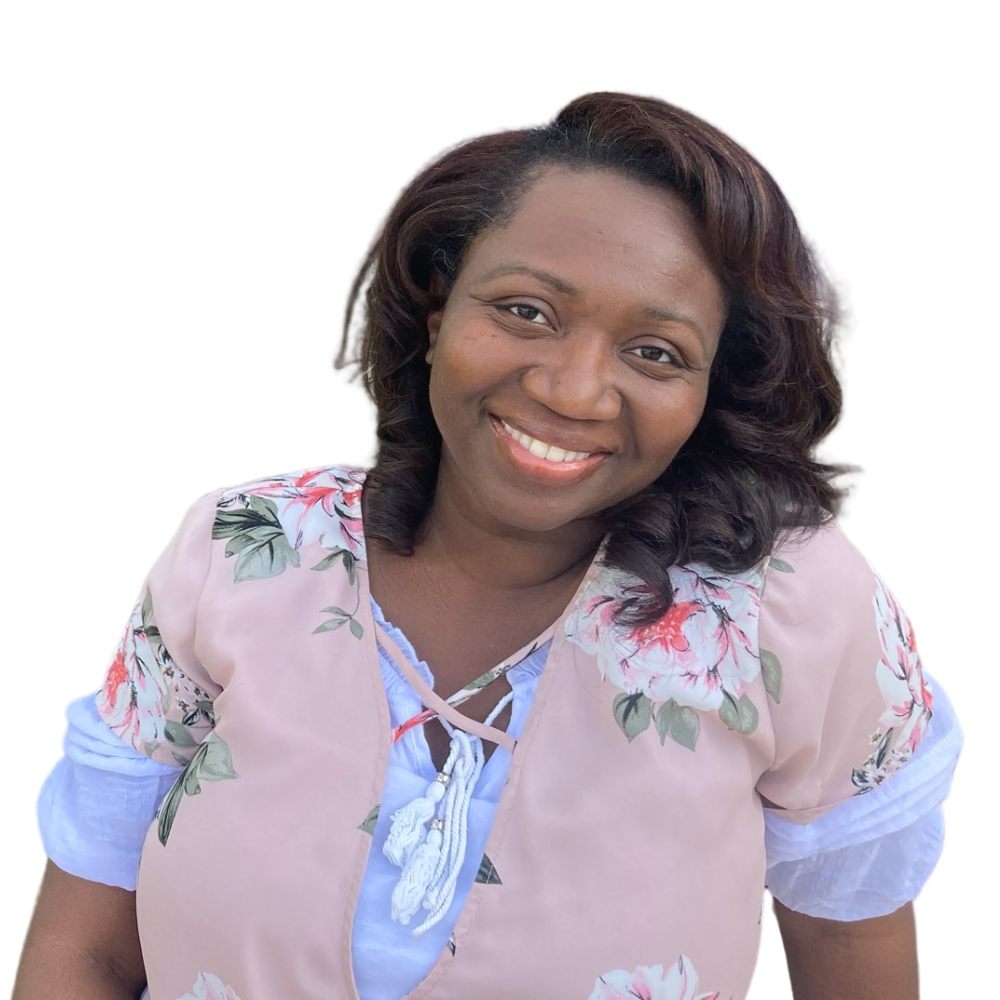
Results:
541 468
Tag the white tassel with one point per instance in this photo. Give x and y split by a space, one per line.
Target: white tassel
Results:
408 825
431 868
412 886
441 890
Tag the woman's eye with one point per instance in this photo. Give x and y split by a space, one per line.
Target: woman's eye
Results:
523 311
650 352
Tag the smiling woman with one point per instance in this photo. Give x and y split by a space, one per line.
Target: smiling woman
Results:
588 322
603 664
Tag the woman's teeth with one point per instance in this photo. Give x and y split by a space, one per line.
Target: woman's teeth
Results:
542 450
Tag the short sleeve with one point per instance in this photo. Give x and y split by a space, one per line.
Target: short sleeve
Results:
849 700
157 696
863 756
98 801
872 853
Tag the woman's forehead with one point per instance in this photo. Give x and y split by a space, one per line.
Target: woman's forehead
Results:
596 212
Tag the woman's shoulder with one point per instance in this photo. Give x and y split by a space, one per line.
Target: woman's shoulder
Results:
329 485
264 524
811 571
322 484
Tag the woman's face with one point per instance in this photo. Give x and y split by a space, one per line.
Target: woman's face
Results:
587 325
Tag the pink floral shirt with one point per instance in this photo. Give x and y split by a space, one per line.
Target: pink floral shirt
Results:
628 845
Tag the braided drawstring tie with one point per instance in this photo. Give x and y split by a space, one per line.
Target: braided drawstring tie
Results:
431 858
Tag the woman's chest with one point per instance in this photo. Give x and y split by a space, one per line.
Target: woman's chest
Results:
461 642
614 846
606 853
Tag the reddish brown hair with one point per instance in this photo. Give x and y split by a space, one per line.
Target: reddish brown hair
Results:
749 470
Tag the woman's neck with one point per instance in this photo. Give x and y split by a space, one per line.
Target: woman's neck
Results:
500 559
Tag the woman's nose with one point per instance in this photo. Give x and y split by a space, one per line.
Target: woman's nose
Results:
575 379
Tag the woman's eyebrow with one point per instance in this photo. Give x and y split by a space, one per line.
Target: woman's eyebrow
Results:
546 277
662 313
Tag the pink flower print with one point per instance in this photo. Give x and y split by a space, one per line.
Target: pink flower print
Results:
317 504
726 640
209 987
143 686
680 982
668 631
117 677
593 617
703 646
908 701
131 699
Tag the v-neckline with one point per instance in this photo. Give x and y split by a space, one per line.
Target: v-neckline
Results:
431 700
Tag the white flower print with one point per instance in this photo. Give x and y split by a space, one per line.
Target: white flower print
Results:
908 700
679 982
146 699
700 655
209 987
321 505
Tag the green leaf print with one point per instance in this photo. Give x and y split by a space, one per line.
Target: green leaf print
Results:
663 718
770 669
883 748
329 626
190 782
256 538
178 734
739 715
217 764
633 713
331 560
679 722
168 810
212 761
367 825
149 629
334 557
340 617
487 873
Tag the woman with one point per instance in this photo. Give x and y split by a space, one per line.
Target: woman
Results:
600 354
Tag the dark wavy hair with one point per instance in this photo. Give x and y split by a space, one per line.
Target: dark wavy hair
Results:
748 472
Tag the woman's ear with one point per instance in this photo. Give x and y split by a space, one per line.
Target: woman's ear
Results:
434 317
433 329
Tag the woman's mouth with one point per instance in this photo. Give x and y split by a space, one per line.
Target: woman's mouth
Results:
540 449
543 460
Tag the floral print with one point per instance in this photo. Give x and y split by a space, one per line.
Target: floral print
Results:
679 982
212 761
321 505
701 655
266 523
698 665
209 987
143 685
908 700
